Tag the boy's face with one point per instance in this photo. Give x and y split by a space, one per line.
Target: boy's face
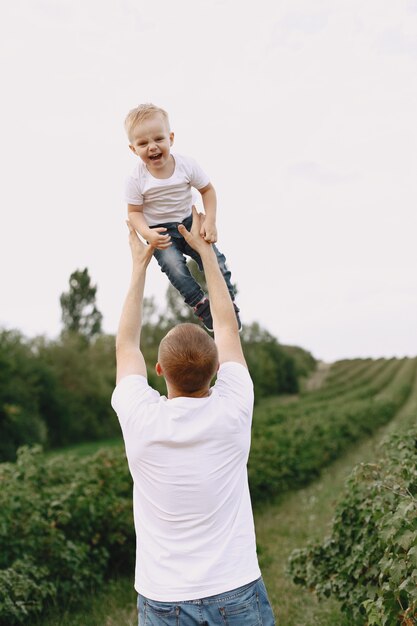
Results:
152 141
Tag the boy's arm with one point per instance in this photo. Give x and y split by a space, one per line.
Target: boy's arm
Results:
129 358
208 228
226 334
155 236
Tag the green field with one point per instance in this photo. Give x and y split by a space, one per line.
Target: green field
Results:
303 450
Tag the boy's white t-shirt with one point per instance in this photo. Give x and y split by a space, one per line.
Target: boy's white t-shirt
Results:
165 199
195 533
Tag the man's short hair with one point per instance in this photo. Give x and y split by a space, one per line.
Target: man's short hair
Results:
140 113
188 357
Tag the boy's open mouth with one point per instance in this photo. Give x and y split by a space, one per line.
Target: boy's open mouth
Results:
155 157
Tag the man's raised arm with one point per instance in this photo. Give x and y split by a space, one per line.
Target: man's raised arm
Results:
226 334
129 358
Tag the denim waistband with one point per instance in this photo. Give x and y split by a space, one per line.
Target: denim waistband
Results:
169 225
223 597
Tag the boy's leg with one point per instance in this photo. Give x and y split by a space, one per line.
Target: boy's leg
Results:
221 259
173 263
206 313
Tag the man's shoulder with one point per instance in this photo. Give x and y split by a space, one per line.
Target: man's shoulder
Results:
234 365
234 373
133 390
234 385
134 402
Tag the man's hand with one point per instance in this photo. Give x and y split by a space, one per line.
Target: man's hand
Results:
193 237
208 230
157 239
141 253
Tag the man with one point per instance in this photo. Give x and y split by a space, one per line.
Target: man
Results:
196 559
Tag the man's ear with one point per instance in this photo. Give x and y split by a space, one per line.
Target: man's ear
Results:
158 369
171 138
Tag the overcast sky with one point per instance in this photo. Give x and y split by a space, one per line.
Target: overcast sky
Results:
302 112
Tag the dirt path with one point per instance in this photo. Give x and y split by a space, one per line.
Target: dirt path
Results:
317 378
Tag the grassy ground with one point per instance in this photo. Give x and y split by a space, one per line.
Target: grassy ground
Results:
281 526
302 516
114 606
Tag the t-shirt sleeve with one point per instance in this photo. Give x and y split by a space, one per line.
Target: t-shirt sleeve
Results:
198 177
133 193
130 400
234 383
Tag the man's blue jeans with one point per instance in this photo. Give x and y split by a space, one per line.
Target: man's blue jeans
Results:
174 264
246 606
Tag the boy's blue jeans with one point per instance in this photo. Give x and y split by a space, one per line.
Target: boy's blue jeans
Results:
174 264
246 606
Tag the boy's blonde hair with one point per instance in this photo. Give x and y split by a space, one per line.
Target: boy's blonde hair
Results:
140 113
188 357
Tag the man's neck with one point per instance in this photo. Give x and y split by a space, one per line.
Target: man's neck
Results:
177 393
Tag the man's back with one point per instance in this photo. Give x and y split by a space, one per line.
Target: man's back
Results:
192 507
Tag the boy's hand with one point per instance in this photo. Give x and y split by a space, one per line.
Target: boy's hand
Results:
157 239
193 237
208 230
141 253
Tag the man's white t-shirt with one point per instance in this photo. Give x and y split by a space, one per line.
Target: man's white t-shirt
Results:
165 199
195 533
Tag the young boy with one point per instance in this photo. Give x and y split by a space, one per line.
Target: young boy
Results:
159 198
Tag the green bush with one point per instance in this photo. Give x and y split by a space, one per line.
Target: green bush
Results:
369 562
24 589
291 443
65 523
54 392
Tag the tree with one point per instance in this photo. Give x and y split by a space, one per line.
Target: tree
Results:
79 312
20 419
273 371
